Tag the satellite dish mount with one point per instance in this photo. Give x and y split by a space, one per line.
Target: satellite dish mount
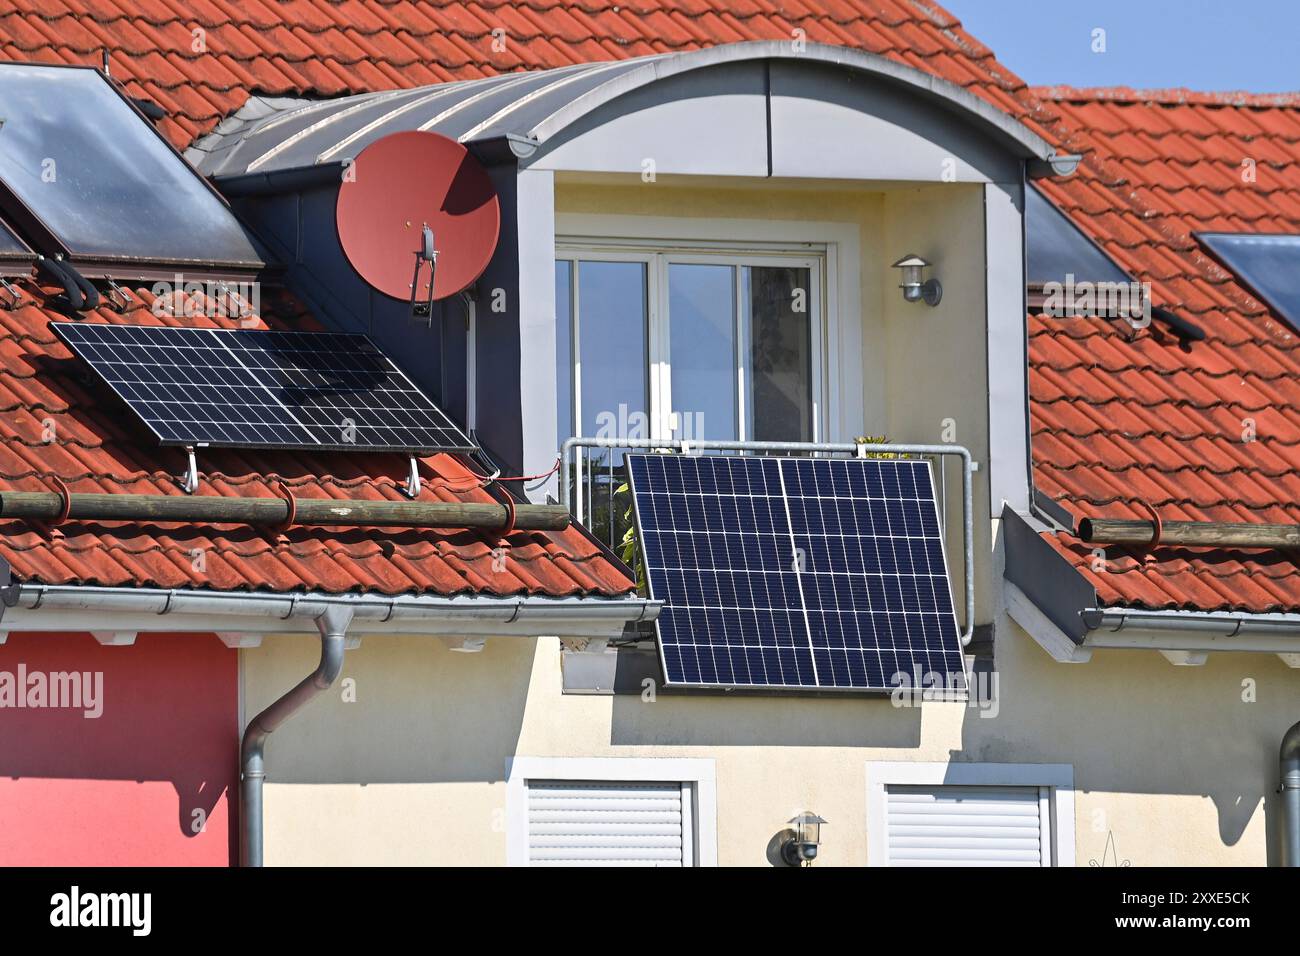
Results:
427 252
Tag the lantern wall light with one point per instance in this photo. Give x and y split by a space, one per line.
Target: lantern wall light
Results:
917 288
806 836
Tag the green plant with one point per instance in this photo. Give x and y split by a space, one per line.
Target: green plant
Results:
630 554
878 440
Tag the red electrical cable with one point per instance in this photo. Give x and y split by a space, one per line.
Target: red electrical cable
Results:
484 482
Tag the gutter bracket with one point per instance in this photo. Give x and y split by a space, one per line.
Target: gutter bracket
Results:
1058 164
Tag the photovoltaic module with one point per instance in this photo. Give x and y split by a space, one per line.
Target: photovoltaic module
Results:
796 573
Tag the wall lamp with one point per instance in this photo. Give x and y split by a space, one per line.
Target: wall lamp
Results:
801 847
915 288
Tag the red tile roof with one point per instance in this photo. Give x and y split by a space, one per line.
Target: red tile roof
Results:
56 419
201 59
1120 420
1114 420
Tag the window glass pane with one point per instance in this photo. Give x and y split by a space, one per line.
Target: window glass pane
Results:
1269 265
1055 248
612 342
115 188
613 377
563 351
779 306
702 315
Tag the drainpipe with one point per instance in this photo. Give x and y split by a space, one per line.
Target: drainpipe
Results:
1290 767
333 625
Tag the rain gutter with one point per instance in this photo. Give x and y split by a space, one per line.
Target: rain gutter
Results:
1107 627
44 607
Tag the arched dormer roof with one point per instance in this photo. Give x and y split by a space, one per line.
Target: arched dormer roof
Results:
528 115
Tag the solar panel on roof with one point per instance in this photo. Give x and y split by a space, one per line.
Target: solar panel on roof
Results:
250 388
89 170
796 573
1269 265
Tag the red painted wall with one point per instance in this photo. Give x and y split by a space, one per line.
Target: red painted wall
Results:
121 789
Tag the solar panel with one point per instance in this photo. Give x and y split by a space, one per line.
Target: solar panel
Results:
251 388
96 176
1269 265
796 573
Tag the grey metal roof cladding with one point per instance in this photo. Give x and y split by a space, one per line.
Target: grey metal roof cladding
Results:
272 135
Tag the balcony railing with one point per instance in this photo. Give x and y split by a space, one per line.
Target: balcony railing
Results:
592 480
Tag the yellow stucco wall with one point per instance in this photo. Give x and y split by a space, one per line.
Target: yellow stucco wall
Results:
1171 761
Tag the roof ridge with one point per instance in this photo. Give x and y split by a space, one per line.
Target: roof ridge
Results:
1168 96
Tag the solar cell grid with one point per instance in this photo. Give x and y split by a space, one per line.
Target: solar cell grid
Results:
795 573
249 388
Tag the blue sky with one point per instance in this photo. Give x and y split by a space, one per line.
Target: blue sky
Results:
1200 44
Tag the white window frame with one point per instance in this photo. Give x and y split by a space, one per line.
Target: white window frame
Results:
1055 782
696 774
833 247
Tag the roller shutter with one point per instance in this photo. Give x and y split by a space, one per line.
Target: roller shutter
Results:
968 826
595 823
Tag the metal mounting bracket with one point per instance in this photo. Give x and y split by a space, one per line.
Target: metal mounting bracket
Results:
118 298
189 481
412 487
12 297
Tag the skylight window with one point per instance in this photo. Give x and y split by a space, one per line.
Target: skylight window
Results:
1055 248
1268 265
87 176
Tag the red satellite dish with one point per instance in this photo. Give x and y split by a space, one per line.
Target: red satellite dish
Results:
399 184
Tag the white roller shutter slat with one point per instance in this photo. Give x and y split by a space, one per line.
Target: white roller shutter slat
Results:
965 826
589 823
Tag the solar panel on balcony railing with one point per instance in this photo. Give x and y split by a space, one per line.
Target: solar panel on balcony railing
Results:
796 573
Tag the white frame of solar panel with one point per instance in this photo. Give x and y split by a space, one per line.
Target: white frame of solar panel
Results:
288 417
916 674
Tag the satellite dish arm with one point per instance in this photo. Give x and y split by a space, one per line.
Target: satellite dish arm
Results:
427 252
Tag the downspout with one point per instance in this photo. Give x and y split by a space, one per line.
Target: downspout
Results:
333 625
1290 766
